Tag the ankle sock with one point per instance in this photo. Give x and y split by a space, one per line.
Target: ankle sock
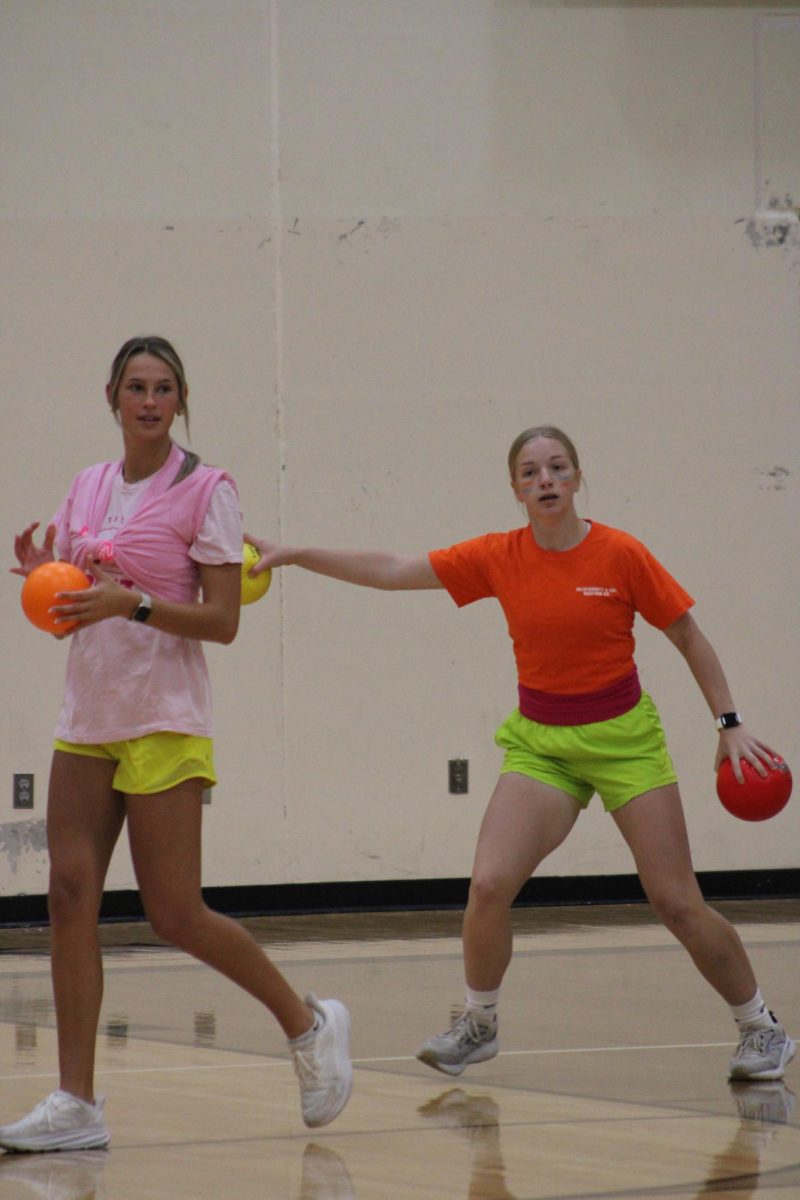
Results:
754 1014
482 1004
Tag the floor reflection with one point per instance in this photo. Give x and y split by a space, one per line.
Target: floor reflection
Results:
203 1100
768 1103
205 1028
325 1176
25 1040
67 1175
117 1031
763 1108
476 1116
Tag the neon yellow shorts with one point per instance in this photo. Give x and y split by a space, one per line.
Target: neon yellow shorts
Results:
153 763
619 759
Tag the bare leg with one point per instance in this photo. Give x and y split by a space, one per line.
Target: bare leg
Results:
653 825
524 822
84 818
165 840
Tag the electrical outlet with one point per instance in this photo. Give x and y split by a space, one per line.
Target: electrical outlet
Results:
458 775
23 790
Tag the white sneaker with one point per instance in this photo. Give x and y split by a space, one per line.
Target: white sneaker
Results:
762 1053
59 1122
322 1064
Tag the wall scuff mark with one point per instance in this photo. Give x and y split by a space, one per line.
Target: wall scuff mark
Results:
18 838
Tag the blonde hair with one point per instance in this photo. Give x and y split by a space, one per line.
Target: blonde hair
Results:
541 431
158 347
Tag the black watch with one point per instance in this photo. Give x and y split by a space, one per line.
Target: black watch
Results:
728 720
143 609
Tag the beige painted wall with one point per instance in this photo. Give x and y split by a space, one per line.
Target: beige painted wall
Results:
386 237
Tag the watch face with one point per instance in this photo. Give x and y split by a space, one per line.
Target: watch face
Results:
730 720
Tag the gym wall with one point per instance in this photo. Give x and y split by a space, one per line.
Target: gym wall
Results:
386 237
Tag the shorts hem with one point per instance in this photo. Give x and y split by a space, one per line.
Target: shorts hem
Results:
153 764
204 779
559 787
617 804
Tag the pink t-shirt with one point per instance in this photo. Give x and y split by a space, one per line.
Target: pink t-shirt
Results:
126 679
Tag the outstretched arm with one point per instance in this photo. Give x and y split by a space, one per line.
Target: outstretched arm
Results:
686 635
368 568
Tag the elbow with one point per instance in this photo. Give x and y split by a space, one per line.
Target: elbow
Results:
400 573
682 633
226 631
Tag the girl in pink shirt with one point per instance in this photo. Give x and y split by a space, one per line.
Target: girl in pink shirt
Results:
161 536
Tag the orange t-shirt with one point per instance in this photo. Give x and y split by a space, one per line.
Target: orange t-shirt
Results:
570 613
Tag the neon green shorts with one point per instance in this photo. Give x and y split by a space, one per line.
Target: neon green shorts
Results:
619 759
153 763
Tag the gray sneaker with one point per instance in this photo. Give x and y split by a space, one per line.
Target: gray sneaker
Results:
762 1054
322 1064
59 1122
467 1041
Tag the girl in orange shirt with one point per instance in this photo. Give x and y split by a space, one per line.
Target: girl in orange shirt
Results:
570 589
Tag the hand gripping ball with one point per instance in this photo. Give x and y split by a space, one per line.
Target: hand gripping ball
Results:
39 593
253 589
759 797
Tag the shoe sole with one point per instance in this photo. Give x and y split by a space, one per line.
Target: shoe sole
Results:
41 1146
789 1051
482 1054
338 1013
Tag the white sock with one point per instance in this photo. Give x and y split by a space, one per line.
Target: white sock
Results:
754 1014
482 1004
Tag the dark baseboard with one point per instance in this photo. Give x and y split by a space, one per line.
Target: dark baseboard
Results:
408 894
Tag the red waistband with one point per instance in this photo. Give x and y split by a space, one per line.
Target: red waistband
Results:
612 701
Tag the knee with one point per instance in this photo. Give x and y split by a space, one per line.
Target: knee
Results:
490 889
72 896
680 913
166 923
173 923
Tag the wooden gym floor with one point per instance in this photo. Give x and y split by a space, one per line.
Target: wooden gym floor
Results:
611 1081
